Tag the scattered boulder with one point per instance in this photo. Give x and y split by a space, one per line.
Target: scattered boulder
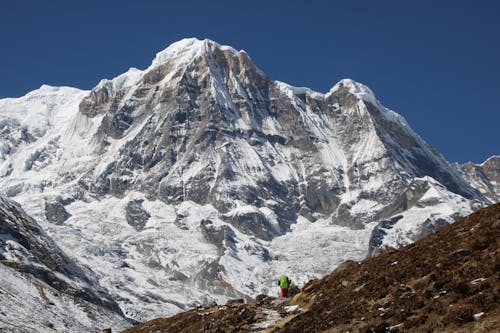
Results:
136 215
56 213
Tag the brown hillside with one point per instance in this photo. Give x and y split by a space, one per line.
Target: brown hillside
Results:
447 282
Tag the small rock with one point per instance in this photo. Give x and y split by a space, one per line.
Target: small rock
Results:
235 301
459 252
478 316
476 281
357 289
294 290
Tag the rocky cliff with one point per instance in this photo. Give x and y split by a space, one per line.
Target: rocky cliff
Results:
41 288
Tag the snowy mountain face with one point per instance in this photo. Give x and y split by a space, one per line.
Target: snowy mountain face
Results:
485 177
43 290
200 179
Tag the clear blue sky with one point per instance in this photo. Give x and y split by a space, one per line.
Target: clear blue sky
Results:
435 62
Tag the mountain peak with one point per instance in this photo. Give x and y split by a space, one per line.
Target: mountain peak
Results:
358 89
187 49
53 92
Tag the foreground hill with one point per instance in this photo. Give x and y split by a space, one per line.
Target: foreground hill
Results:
447 282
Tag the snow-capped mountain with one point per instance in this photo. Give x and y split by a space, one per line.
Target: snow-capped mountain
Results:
43 290
485 176
200 178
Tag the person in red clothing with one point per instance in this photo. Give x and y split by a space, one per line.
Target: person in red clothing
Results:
284 283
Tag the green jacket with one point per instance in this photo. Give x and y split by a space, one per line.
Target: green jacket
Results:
284 282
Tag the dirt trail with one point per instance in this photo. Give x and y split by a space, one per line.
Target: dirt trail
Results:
235 316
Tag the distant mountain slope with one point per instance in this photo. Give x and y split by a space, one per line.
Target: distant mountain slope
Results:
41 289
485 177
447 282
178 182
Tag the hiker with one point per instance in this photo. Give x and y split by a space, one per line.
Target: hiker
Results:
284 283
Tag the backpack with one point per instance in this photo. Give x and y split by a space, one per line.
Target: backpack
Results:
284 282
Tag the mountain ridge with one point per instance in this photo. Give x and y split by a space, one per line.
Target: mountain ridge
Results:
484 176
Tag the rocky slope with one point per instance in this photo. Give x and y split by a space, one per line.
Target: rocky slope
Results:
485 177
41 289
199 178
447 282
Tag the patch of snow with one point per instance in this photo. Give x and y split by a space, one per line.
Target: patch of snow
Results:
293 92
125 80
272 317
292 308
